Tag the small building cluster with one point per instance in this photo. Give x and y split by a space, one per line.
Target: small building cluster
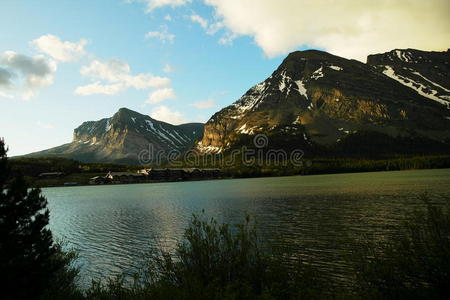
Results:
152 175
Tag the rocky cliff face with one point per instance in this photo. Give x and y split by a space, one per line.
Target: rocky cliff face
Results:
123 136
316 97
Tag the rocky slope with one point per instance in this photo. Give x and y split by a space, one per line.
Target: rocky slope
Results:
122 137
318 98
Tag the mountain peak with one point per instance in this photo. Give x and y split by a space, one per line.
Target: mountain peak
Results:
126 112
123 136
311 54
317 97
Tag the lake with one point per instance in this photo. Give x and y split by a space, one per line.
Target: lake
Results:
319 216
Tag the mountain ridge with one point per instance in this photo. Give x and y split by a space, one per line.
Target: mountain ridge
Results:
313 99
123 136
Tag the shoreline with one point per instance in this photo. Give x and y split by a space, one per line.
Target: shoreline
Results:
239 177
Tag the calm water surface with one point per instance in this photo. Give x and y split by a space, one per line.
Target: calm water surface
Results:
319 216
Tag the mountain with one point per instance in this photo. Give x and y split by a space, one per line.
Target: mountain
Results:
122 137
425 72
318 99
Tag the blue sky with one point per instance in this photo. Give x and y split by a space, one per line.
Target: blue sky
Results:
64 62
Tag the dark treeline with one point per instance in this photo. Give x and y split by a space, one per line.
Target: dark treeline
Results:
324 165
33 166
73 171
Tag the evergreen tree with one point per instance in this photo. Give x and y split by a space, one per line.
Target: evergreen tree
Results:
31 264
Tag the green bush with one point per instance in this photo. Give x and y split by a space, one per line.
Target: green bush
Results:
217 262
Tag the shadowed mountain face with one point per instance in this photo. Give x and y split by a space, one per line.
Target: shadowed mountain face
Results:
318 98
122 137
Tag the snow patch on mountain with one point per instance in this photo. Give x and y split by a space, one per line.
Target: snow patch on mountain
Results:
317 74
150 123
433 83
285 83
417 86
336 68
107 126
208 149
301 88
250 100
297 121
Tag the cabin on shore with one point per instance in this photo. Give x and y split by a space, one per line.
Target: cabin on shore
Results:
125 177
98 180
171 174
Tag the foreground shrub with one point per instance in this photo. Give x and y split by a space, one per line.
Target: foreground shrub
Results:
416 265
32 266
228 262
217 262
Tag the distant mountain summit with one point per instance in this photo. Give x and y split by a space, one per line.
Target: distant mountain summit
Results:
318 98
122 137
428 73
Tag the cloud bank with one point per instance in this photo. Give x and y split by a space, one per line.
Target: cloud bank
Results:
161 95
209 103
350 28
163 35
163 113
60 50
152 4
25 74
117 77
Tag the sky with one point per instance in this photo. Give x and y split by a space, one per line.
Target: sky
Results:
63 62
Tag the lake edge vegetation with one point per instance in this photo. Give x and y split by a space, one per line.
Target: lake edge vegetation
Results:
75 171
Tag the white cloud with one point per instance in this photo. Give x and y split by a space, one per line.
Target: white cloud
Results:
111 70
228 38
6 95
197 19
161 95
98 88
119 74
210 29
152 4
44 125
214 28
30 73
60 50
167 68
163 113
168 18
351 28
164 35
5 77
209 103
145 81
